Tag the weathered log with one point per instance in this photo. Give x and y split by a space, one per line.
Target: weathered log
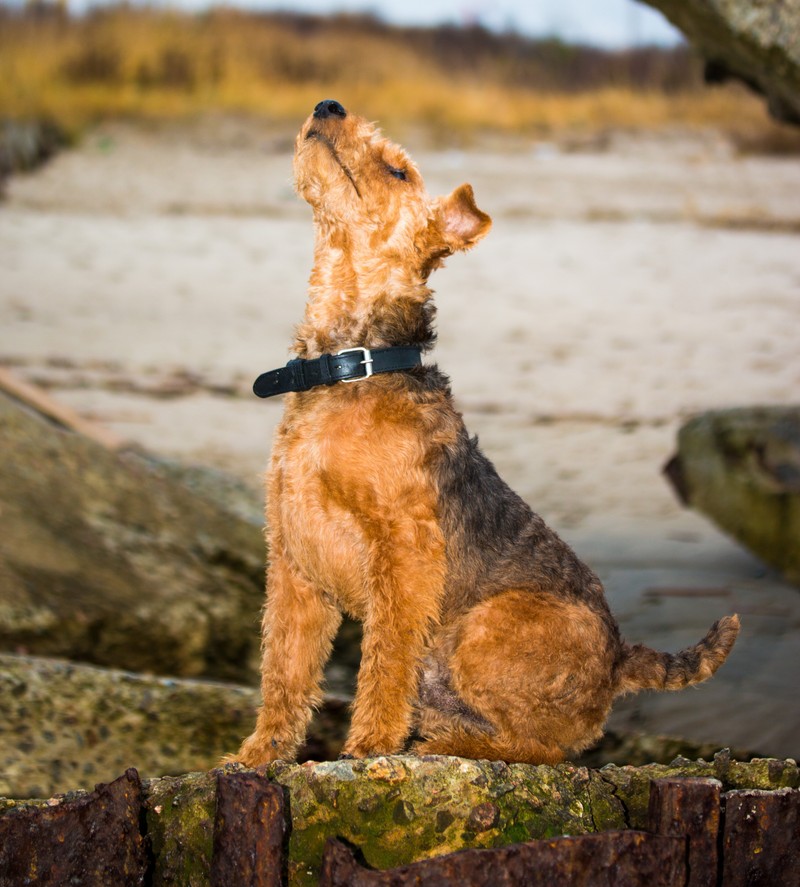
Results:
761 838
44 403
249 832
403 810
689 808
92 840
615 859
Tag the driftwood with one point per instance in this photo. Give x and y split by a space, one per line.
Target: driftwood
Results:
249 831
38 399
93 840
628 859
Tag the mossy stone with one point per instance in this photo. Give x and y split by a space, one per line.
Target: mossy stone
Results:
757 42
179 814
741 468
401 809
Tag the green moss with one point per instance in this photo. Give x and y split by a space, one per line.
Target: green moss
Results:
180 821
401 809
762 773
607 811
631 785
736 467
397 810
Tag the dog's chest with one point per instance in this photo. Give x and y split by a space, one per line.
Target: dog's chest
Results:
345 472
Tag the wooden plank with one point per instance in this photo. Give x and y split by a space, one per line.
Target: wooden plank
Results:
610 859
37 398
93 841
249 832
690 808
761 838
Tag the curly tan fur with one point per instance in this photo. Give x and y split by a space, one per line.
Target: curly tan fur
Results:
482 629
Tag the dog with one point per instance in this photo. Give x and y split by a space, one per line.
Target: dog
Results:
484 634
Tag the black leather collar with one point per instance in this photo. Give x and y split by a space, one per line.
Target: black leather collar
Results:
349 365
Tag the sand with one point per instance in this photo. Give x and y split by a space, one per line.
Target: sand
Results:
148 277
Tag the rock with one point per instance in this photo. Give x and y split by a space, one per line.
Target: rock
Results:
401 809
145 564
758 42
222 490
741 468
104 558
398 809
638 749
179 817
632 784
66 726
26 144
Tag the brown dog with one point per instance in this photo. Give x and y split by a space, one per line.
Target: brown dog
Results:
482 629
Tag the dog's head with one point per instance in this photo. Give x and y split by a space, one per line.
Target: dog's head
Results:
369 198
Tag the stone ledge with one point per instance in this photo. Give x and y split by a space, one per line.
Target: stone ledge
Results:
401 809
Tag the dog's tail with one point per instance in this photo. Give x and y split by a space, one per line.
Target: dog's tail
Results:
646 669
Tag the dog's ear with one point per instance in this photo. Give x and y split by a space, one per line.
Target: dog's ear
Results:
462 223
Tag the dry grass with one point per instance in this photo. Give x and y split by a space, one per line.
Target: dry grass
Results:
150 64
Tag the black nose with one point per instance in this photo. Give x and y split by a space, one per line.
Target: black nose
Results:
329 108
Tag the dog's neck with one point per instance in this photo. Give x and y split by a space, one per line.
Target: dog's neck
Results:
357 302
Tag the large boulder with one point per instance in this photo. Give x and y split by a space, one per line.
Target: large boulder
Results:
106 558
741 468
757 41
64 726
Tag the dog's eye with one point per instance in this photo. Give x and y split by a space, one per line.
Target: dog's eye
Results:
396 172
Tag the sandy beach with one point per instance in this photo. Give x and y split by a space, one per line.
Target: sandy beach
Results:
149 276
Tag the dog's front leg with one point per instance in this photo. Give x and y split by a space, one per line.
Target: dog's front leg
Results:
300 623
406 582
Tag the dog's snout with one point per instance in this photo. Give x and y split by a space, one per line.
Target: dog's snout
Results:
329 108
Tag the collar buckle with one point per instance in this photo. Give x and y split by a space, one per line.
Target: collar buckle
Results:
366 362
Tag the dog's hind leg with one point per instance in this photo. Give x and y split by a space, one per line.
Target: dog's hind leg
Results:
299 626
448 726
461 741
464 745
534 667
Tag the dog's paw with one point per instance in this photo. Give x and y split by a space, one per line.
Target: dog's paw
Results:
369 750
230 759
256 754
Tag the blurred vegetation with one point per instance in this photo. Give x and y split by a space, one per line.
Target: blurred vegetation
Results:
146 63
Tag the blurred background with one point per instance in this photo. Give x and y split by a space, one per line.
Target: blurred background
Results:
446 68
643 269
